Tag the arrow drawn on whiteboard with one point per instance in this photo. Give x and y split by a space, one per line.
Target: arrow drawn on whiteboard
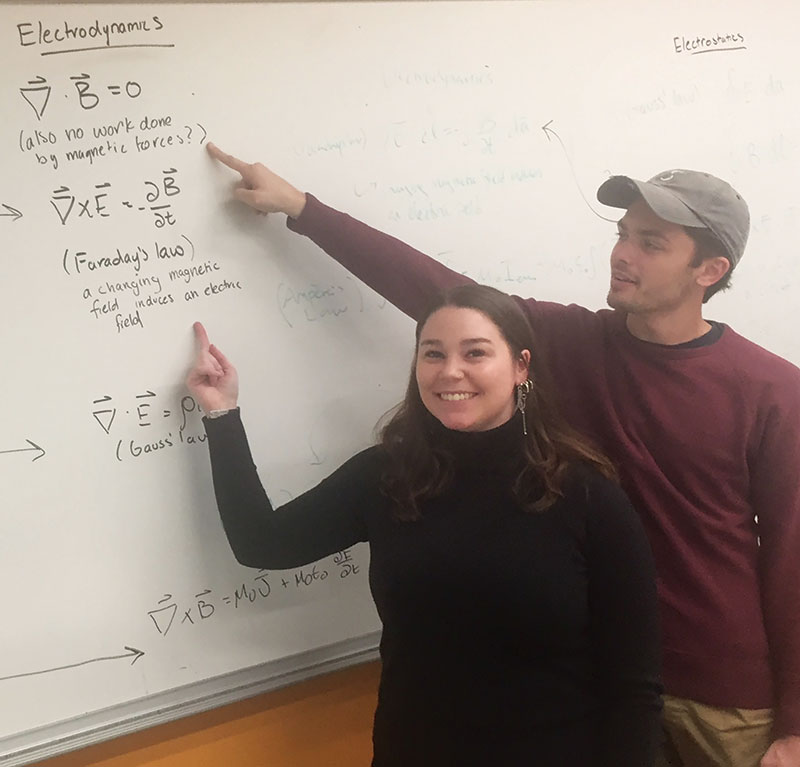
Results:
548 131
13 212
132 652
33 446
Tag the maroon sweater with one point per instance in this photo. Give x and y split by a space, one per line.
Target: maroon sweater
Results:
706 439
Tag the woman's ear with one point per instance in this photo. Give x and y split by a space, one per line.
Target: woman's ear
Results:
523 366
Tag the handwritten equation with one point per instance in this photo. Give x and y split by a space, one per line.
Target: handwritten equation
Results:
156 199
205 604
175 423
103 139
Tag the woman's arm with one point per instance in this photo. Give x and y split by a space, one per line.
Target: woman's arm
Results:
320 522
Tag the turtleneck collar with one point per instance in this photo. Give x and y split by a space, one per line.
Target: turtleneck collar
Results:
494 450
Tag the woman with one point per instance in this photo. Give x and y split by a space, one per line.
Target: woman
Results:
512 577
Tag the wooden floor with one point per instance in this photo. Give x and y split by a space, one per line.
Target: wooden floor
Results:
324 722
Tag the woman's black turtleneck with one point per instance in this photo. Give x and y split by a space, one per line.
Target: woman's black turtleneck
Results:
509 637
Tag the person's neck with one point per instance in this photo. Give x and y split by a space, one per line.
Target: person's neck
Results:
668 329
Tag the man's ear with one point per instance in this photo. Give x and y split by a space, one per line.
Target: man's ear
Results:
712 270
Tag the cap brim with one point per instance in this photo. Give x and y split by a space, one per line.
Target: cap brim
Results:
622 192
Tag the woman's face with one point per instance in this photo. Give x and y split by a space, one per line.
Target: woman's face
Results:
465 370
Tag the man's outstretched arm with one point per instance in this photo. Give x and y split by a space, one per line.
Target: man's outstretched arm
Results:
404 276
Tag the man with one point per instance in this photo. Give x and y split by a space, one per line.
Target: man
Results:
703 425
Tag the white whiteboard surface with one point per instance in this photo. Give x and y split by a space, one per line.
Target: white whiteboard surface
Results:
478 132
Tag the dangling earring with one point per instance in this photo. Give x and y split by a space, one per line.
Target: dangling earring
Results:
523 390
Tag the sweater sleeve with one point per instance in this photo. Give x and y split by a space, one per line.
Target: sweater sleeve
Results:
404 276
775 497
320 522
410 279
623 606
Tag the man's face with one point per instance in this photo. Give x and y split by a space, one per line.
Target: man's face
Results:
651 270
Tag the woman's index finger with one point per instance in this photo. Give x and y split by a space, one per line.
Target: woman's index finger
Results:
201 336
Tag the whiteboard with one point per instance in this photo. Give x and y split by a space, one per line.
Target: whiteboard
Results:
478 132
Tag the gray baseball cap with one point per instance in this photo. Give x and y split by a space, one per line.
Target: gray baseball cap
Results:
688 198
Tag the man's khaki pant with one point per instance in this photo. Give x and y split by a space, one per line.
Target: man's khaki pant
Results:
697 735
